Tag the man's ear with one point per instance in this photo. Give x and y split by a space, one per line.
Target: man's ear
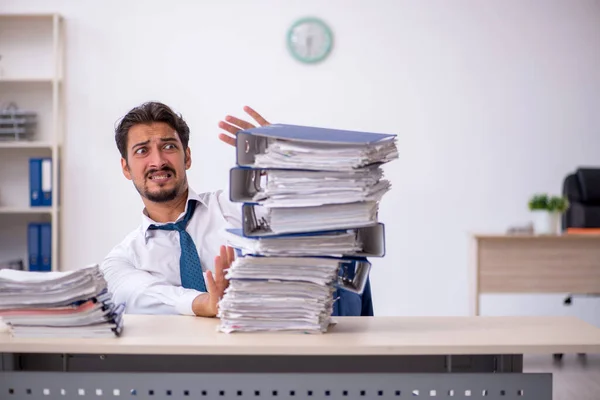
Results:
125 168
188 158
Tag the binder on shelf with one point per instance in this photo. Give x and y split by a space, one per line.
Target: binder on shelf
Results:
368 241
40 182
45 247
33 246
46 182
39 246
35 182
313 148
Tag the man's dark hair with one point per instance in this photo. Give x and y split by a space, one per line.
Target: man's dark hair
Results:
145 114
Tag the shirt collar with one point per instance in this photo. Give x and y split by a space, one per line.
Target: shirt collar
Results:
147 221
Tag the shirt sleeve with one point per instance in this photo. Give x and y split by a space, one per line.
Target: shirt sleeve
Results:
231 211
140 291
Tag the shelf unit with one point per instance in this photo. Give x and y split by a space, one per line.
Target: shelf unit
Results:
31 75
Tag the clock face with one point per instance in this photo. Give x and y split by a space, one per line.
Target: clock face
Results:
310 40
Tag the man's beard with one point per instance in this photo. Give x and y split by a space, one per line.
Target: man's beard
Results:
162 195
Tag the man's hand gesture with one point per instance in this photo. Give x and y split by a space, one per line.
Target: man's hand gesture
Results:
233 125
207 304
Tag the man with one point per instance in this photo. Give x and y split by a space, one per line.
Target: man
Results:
158 268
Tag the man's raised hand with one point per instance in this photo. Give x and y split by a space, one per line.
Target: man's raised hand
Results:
233 125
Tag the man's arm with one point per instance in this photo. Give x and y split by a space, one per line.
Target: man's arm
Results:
143 293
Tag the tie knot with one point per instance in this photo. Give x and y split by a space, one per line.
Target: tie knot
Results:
179 225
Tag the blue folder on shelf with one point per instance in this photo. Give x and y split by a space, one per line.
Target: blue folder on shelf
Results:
33 247
40 182
46 246
254 142
39 246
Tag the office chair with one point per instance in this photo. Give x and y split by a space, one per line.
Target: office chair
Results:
582 190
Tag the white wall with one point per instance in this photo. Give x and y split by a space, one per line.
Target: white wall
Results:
492 101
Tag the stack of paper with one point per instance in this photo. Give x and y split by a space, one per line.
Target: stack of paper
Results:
317 218
326 153
292 188
311 198
58 304
336 243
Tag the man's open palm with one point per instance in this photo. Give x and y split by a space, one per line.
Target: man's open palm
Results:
216 285
233 125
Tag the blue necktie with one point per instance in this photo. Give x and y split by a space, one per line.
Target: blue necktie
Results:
189 261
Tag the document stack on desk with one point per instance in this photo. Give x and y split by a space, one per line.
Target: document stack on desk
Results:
72 304
310 202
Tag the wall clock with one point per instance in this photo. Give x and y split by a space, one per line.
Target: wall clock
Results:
309 40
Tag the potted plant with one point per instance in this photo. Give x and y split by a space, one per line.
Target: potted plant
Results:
546 211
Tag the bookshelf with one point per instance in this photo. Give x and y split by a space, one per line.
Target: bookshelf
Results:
31 77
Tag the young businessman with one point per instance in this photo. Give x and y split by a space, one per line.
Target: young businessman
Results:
175 261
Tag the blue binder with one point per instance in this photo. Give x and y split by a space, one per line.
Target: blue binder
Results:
353 272
35 182
372 237
46 247
46 181
251 142
33 246
40 182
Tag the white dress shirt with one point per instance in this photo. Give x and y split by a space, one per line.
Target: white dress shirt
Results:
143 270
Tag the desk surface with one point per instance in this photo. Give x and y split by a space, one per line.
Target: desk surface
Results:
351 336
500 236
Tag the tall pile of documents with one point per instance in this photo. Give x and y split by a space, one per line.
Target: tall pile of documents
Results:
310 220
72 304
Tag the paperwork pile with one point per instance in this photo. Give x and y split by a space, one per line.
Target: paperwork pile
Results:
311 198
73 304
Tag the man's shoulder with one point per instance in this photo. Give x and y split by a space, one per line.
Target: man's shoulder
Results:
127 244
212 196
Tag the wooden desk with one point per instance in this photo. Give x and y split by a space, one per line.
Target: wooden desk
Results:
178 357
534 264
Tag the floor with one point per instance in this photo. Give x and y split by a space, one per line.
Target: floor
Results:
575 377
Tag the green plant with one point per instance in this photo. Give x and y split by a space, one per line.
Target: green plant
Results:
538 202
558 204
542 201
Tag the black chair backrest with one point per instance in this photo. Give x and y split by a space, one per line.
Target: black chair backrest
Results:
582 190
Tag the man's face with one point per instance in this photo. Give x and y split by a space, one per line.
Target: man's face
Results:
156 161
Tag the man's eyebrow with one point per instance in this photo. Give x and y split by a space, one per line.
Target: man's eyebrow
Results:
164 140
140 144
